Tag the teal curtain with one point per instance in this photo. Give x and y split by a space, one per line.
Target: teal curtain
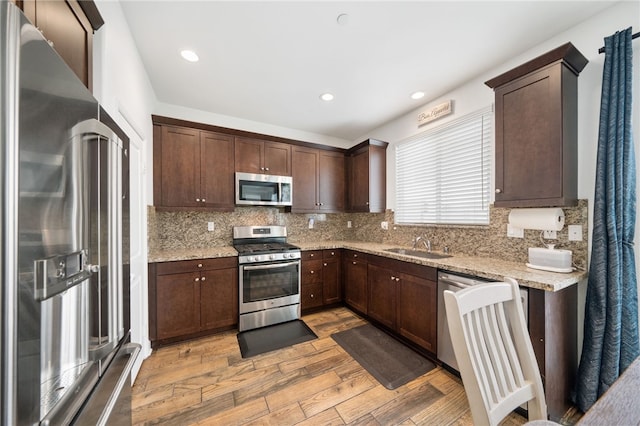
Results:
611 310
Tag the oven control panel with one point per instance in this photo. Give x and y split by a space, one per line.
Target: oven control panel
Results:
269 257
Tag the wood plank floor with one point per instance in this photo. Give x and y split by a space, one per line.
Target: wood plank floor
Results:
206 382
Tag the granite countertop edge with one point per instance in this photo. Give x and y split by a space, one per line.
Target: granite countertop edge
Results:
485 267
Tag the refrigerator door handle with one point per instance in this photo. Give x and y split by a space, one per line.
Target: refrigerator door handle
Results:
95 127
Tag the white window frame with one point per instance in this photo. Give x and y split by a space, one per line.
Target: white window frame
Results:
443 175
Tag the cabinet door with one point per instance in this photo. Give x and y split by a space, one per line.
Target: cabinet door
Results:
248 155
305 184
219 298
180 167
331 181
177 304
277 158
67 28
331 284
355 283
382 295
359 182
417 311
216 171
535 150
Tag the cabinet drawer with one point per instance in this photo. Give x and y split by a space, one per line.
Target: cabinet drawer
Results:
311 255
178 267
331 254
355 256
311 272
311 296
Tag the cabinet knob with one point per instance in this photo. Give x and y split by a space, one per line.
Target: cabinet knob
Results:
397 279
366 204
312 272
199 265
197 279
197 200
203 279
203 200
355 263
355 255
262 168
266 168
393 278
324 264
311 255
333 254
498 190
311 296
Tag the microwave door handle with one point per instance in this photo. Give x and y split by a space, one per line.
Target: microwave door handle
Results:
270 266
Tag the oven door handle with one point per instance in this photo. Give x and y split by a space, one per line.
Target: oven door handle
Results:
270 266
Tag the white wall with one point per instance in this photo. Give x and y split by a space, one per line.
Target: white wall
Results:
123 88
588 37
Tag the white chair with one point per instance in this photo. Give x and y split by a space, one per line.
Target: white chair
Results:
494 352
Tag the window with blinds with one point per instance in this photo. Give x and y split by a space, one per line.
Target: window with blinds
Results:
443 174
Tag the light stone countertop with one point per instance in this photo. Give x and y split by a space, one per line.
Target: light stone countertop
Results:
485 267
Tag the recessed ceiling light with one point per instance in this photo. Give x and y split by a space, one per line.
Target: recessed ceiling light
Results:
343 19
417 95
189 55
326 97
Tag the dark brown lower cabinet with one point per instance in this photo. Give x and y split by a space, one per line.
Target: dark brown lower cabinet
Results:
331 277
417 304
192 298
383 285
553 318
320 276
311 280
355 280
402 298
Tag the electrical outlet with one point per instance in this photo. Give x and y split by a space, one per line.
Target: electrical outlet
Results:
514 232
384 225
210 226
575 232
311 222
549 235
349 224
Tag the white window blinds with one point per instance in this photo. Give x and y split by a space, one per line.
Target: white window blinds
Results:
443 174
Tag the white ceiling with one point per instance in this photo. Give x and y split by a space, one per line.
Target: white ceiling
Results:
269 61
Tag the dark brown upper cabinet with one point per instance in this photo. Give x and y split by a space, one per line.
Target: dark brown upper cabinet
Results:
367 177
265 157
536 127
318 180
192 169
68 25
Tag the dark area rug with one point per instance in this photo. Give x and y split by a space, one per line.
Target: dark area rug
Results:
270 338
389 361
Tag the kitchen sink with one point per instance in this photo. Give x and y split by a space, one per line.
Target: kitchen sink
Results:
418 253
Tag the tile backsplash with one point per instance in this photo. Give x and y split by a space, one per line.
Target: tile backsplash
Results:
185 230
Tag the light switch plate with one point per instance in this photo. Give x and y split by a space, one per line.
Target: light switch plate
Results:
384 225
349 224
210 226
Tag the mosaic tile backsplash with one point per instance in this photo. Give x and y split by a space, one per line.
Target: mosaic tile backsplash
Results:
187 230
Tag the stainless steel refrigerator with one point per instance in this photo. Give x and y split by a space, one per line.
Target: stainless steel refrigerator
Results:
65 351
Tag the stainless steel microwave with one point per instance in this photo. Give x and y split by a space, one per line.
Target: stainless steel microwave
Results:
263 190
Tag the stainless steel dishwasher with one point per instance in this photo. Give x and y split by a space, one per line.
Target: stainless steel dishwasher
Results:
455 282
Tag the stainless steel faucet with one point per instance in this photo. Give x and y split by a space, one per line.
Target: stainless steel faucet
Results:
425 241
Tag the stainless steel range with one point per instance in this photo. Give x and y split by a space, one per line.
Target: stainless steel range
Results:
269 270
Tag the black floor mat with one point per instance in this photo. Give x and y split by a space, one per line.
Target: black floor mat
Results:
270 338
389 361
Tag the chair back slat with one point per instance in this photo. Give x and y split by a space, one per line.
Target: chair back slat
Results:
494 352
